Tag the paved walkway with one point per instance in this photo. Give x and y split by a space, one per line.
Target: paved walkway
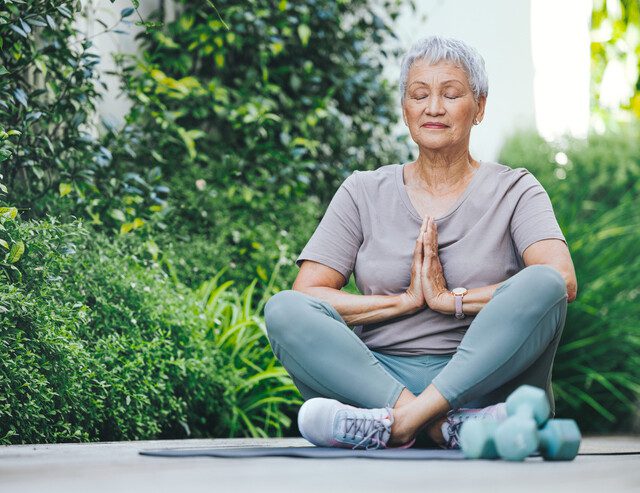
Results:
117 467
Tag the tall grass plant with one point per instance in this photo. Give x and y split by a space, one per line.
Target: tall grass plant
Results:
595 190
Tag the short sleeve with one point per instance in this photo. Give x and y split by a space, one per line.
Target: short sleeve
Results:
533 218
337 239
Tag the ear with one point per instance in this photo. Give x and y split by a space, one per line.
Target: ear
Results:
404 115
482 102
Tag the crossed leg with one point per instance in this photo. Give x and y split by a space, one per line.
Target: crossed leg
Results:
513 340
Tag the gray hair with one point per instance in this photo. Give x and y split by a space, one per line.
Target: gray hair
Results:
434 49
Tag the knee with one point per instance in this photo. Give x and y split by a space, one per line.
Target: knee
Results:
545 281
279 309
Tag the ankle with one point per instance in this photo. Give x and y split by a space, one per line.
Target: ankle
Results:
400 432
434 430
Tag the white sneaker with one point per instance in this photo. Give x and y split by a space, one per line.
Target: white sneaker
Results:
451 427
330 423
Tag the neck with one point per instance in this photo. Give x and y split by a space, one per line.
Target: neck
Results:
438 172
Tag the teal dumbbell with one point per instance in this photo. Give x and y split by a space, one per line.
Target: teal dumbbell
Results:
527 406
518 436
528 409
477 439
528 402
559 439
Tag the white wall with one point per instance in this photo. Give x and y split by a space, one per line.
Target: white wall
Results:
113 106
562 60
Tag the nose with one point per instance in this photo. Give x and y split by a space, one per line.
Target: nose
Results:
434 106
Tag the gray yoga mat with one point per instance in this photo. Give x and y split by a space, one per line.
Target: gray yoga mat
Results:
327 453
309 452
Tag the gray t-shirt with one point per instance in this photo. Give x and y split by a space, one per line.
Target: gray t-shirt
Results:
370 228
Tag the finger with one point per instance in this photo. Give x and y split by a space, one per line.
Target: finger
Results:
426 260
418 249
423 226
427 249
433 236
428 238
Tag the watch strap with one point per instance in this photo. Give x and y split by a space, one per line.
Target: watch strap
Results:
458 295
458 305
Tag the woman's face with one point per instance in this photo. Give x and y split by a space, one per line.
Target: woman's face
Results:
439 106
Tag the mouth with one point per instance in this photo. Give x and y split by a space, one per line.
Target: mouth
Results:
433 125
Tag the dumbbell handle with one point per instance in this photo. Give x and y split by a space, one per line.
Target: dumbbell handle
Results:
525 411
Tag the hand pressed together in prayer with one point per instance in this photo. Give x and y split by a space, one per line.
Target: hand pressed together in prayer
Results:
428 285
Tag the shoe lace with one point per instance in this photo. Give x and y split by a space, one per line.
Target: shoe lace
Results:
371 428
455 423
454 434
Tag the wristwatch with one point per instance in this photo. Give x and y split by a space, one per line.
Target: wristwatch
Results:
458 294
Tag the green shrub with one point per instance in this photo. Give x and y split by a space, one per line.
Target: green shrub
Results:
268 116
99 343
595 191
49 84
45 78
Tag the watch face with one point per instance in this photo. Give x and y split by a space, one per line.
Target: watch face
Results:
459 291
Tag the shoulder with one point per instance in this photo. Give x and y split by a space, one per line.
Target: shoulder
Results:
373 179
515 179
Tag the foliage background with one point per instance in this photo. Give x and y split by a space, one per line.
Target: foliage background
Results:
203 224
135 261
615 34
596 371
254 127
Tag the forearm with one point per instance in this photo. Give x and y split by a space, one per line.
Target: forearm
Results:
357 309
472 303
477 298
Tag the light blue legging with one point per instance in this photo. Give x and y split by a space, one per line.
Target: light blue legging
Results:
512 341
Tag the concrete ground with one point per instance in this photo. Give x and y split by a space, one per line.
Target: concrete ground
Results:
117 467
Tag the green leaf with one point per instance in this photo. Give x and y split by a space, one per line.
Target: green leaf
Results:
65 11
37 22
153 249
16 29
51 22
126 12
262 273
16 252
3 70
4 244
304 33
8 212
21 96
125 228
25 27
118 215
65 189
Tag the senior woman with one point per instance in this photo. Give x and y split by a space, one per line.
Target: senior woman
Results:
464 271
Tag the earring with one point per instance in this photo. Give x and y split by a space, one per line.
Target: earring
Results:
476 122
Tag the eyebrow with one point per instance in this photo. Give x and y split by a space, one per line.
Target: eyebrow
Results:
443 82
